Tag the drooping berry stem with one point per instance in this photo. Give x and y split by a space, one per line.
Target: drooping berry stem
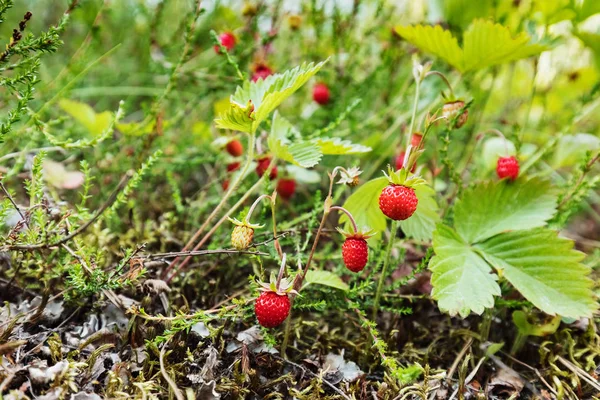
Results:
386 263
438 73
350 217
256 202
414 111
281 271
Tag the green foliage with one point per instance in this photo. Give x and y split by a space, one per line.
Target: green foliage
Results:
285 142
324 278
494 228
484 44
252 103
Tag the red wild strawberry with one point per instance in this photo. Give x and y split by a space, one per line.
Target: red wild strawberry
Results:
272 309
225 184
507 167
263 165
450 111
400 162
355 253
234 166
415 140
398 202
321 93
235 148
286 187
227 39
261 72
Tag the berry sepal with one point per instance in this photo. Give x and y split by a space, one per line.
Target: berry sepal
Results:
361 234
245 223
404 177
283 287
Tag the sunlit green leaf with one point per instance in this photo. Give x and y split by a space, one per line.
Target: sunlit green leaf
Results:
324 278
462 281
422 223
337 146
285 143
490 208
95 123
545 269
434 40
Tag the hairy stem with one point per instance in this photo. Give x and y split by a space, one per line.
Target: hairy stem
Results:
388 254
350 217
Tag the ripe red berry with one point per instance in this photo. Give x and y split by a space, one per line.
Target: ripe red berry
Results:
415 140
286 187
234 166
355 253
261 72
263 164
227 39
225 184
400 162
321 93
398 202
272 309
507 167
235 148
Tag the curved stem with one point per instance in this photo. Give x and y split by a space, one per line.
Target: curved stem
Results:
438 73
386 263
253 206
350 217
281 271
228 193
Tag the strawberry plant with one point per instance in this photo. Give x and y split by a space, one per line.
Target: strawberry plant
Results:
324 199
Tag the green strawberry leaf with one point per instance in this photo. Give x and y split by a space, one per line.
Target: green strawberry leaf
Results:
462 281
484 44
337 146
422 223
285 143
252 103
324 278
434 40
488 209
545 269
527 328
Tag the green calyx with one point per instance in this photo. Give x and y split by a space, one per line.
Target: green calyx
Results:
404 177
245 222
286 286
361 234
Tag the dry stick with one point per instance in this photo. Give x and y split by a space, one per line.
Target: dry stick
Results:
579 372
82 228
199 253
457 360
223 219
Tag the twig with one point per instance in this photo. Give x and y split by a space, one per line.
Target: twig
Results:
462 353
198 253
325 381
83 227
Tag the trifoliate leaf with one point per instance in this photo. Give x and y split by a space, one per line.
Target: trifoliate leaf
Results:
422 223
545 269
462 281
264 95
324 278
484 44
95 123
488 209
335 146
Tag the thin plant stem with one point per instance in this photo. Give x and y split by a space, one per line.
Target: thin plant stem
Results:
350 217
414 111
444 79
256 202
388 254
275 237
